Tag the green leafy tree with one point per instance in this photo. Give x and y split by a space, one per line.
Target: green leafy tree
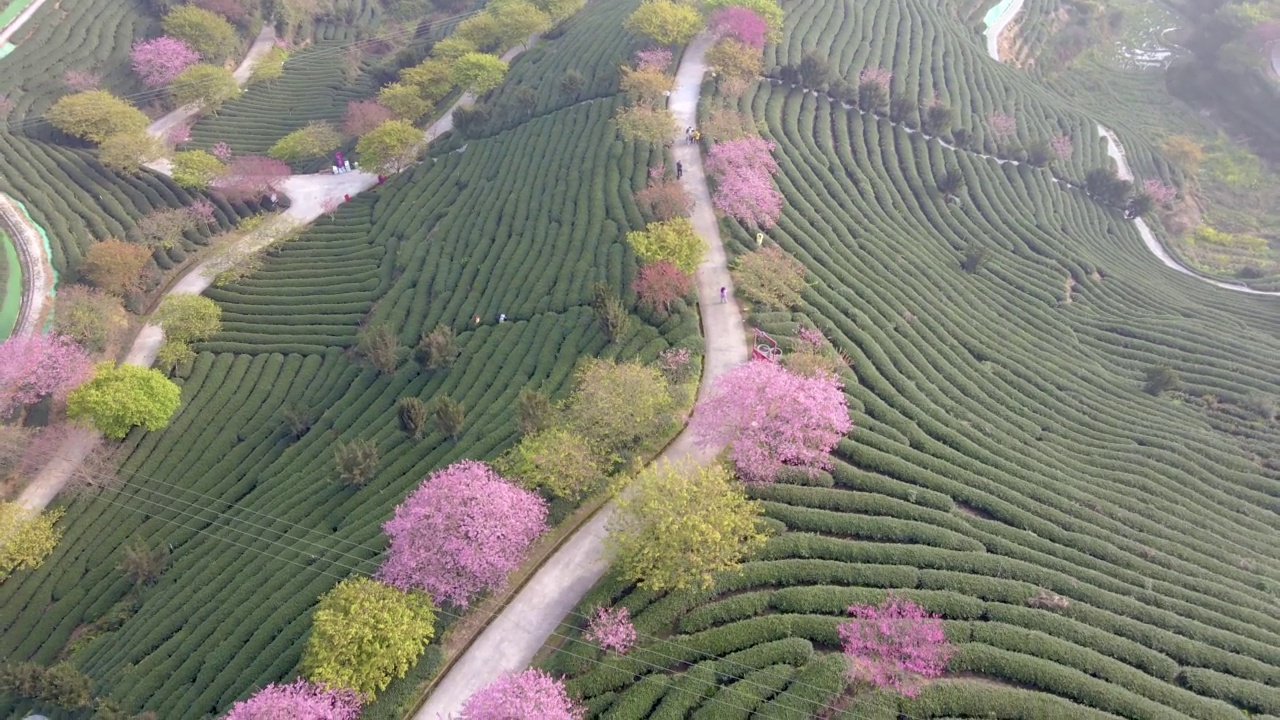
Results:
365 634
356 462
207 33
478 73
26 537
270 67
207 85
646 87
571 84
432 78
534 412
299 419
413 416
196 169
672 240
1162 378
390 147
119 397
618 405
60 685
612 316
173 355
379 345
517 20
438 348
450 49
559 9
770 277
187 318
127 152
644 123
734 59
449 416
404 101
88 316
95 115
975 259
312 140
938 118
678 525
665 22
558 460
141 564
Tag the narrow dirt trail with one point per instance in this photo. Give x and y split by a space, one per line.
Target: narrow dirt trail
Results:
511 640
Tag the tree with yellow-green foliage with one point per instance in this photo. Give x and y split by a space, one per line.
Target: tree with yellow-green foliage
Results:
517 20
95 115
208 85
404 101
618 405
206 32
128 152
390 147
646 87
26 537
431 78
270 67
365 634
644 123
451 48
196 168
558 460
665 22
672 240
118 397
478 73
679 525
312 140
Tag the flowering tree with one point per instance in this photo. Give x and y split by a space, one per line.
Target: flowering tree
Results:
658 59
741 24
1159 192
771 418
611 629
664 200
298 700
178 135
33 367
363 116
674 363
329 206
660 284
743 188
253 176
159 60
1061 146
875 76
895 645
529 694
461 532
222 151
6 104
80 80
1001 125
202 212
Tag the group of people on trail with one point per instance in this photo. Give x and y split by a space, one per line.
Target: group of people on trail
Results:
692 135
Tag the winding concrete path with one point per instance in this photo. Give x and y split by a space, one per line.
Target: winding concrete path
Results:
38 277
996 25
511 640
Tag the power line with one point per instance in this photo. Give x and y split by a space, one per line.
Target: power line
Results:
354 569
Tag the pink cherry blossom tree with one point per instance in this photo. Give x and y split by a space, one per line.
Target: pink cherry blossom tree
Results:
222 151
253 176
660 284
202 212
611 629
895 645
33 367
159 60
741 24
744 190
1061 146
362 116
179 135
298 700
81 80
658 59
462 531
1001 125
875 76
1159 192
771 418
6 105
674 363
529 694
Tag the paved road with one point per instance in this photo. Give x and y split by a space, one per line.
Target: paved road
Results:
511 640
996 25
12 28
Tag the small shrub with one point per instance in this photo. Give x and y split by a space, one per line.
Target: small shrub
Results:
449 416
356 461
413 416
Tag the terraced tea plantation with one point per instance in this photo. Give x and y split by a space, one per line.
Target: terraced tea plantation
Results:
259 524
1096 551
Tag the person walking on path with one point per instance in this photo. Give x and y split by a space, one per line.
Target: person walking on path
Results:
679 169
724 296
